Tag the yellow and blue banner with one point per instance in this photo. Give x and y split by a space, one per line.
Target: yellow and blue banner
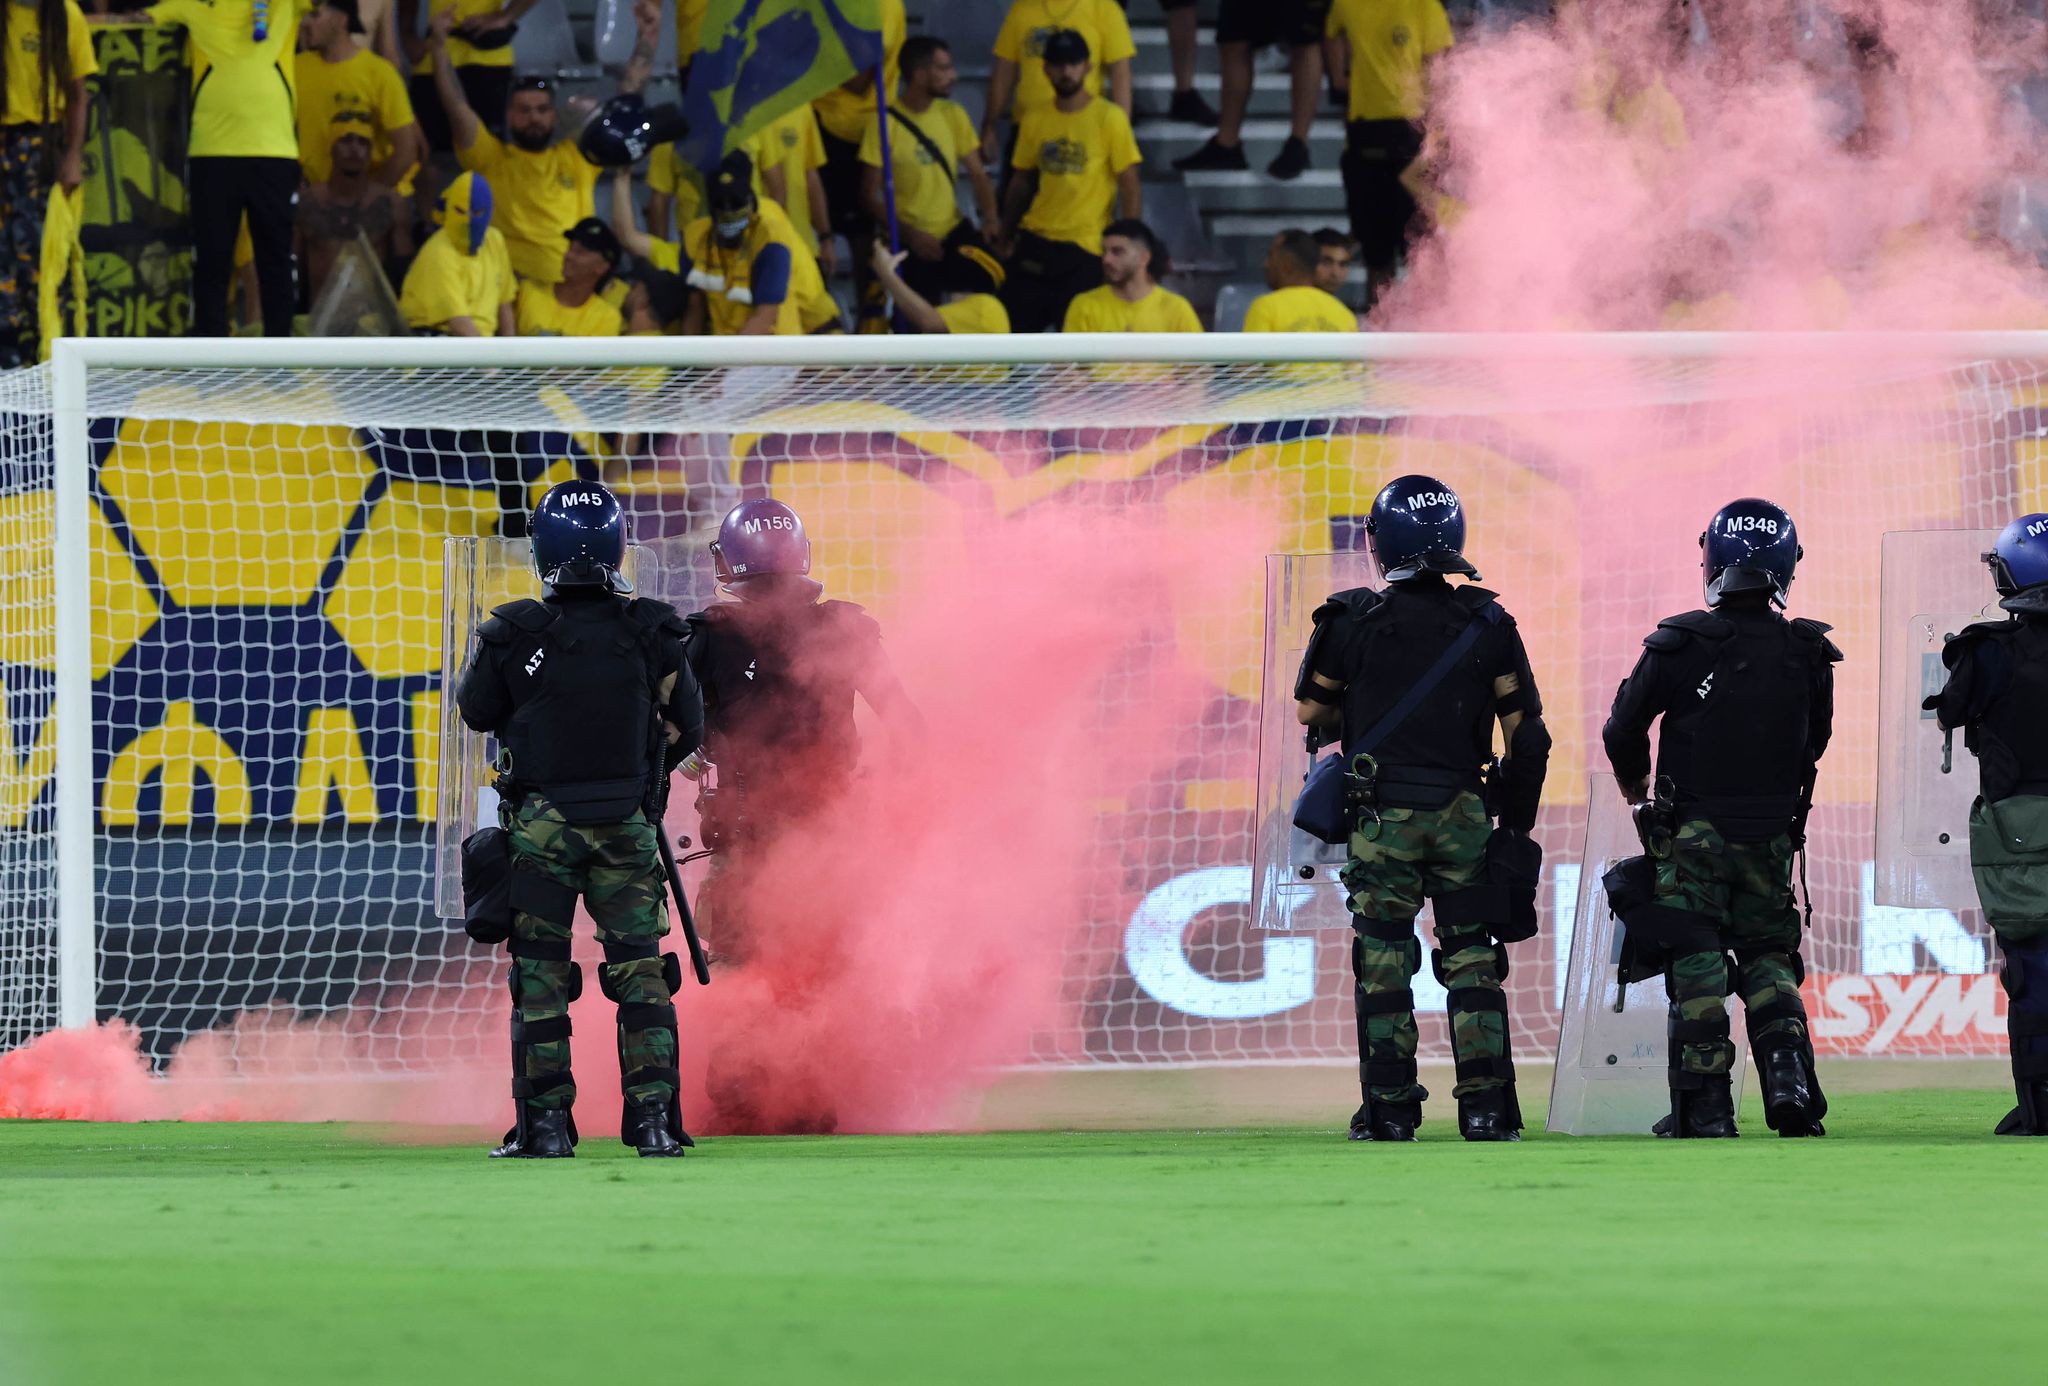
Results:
758 60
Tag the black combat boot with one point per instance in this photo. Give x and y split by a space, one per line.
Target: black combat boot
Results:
651 1132
1490 1114
542 1134
2027 1037
1376 1120
1789 1093
1703 1112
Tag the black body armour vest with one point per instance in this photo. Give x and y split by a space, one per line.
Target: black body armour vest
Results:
2010 735
1439 748
1735 745
585 681
779 680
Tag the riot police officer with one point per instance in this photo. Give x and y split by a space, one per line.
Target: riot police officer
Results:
1412 678
1747 701
780 667
1997 692
590 695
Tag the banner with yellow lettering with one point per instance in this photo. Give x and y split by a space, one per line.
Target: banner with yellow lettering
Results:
135 230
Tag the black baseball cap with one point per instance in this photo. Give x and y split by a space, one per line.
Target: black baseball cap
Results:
592 234
352 10
732 187
1064 46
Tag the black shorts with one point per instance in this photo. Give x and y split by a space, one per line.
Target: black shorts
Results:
1296 23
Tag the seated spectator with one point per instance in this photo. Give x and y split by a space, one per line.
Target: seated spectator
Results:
336 75
461 284
350 203
542 186
574 306
750 271
1075 158
930 141
1336 253
1130 298
42 145
787 154
479 38
1295 304
973 312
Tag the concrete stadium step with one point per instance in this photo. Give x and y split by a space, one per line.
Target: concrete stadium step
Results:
1166 140
1318 190
1153 90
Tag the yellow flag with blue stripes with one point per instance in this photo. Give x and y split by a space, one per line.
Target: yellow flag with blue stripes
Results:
757 60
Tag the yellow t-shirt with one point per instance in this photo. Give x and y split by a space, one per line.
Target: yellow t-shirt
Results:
1078 157
1102 309
689 19
538 197
1300 308
364 82
1389 40
976 313
27 102
724 274
243 106
844 113
445 282
924 190
666 174
461 53
541 314
1028 25
793 143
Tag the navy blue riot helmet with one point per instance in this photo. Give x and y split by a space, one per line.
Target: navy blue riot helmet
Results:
2019 565
1749 546
579 538
1417 526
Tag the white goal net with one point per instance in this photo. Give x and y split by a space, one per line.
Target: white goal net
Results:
1066 551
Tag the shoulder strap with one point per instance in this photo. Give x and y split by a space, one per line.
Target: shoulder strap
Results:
931 146
1422 688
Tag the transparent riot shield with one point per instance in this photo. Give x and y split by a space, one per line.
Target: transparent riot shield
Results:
477 575
1294 877
1612 1042
1933 584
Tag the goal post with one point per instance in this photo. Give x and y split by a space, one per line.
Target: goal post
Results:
238 546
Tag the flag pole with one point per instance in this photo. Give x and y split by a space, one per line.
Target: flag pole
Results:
888 164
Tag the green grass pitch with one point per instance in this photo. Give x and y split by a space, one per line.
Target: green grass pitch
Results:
1908 1246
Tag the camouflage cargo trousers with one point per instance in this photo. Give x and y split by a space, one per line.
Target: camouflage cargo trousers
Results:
1744 889
616 870
1399 858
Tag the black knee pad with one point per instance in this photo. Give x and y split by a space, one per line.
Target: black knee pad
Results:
1456 945
617 956
1747 957
1386 931
554 950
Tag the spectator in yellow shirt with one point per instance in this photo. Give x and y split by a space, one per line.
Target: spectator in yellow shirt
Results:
461 284
575 307
542 185
1379 52
971 312
243 154
674 199
1294 303
1075 158
336 74
42 143
931 141
750 272
1130 298
1019 84
787 153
